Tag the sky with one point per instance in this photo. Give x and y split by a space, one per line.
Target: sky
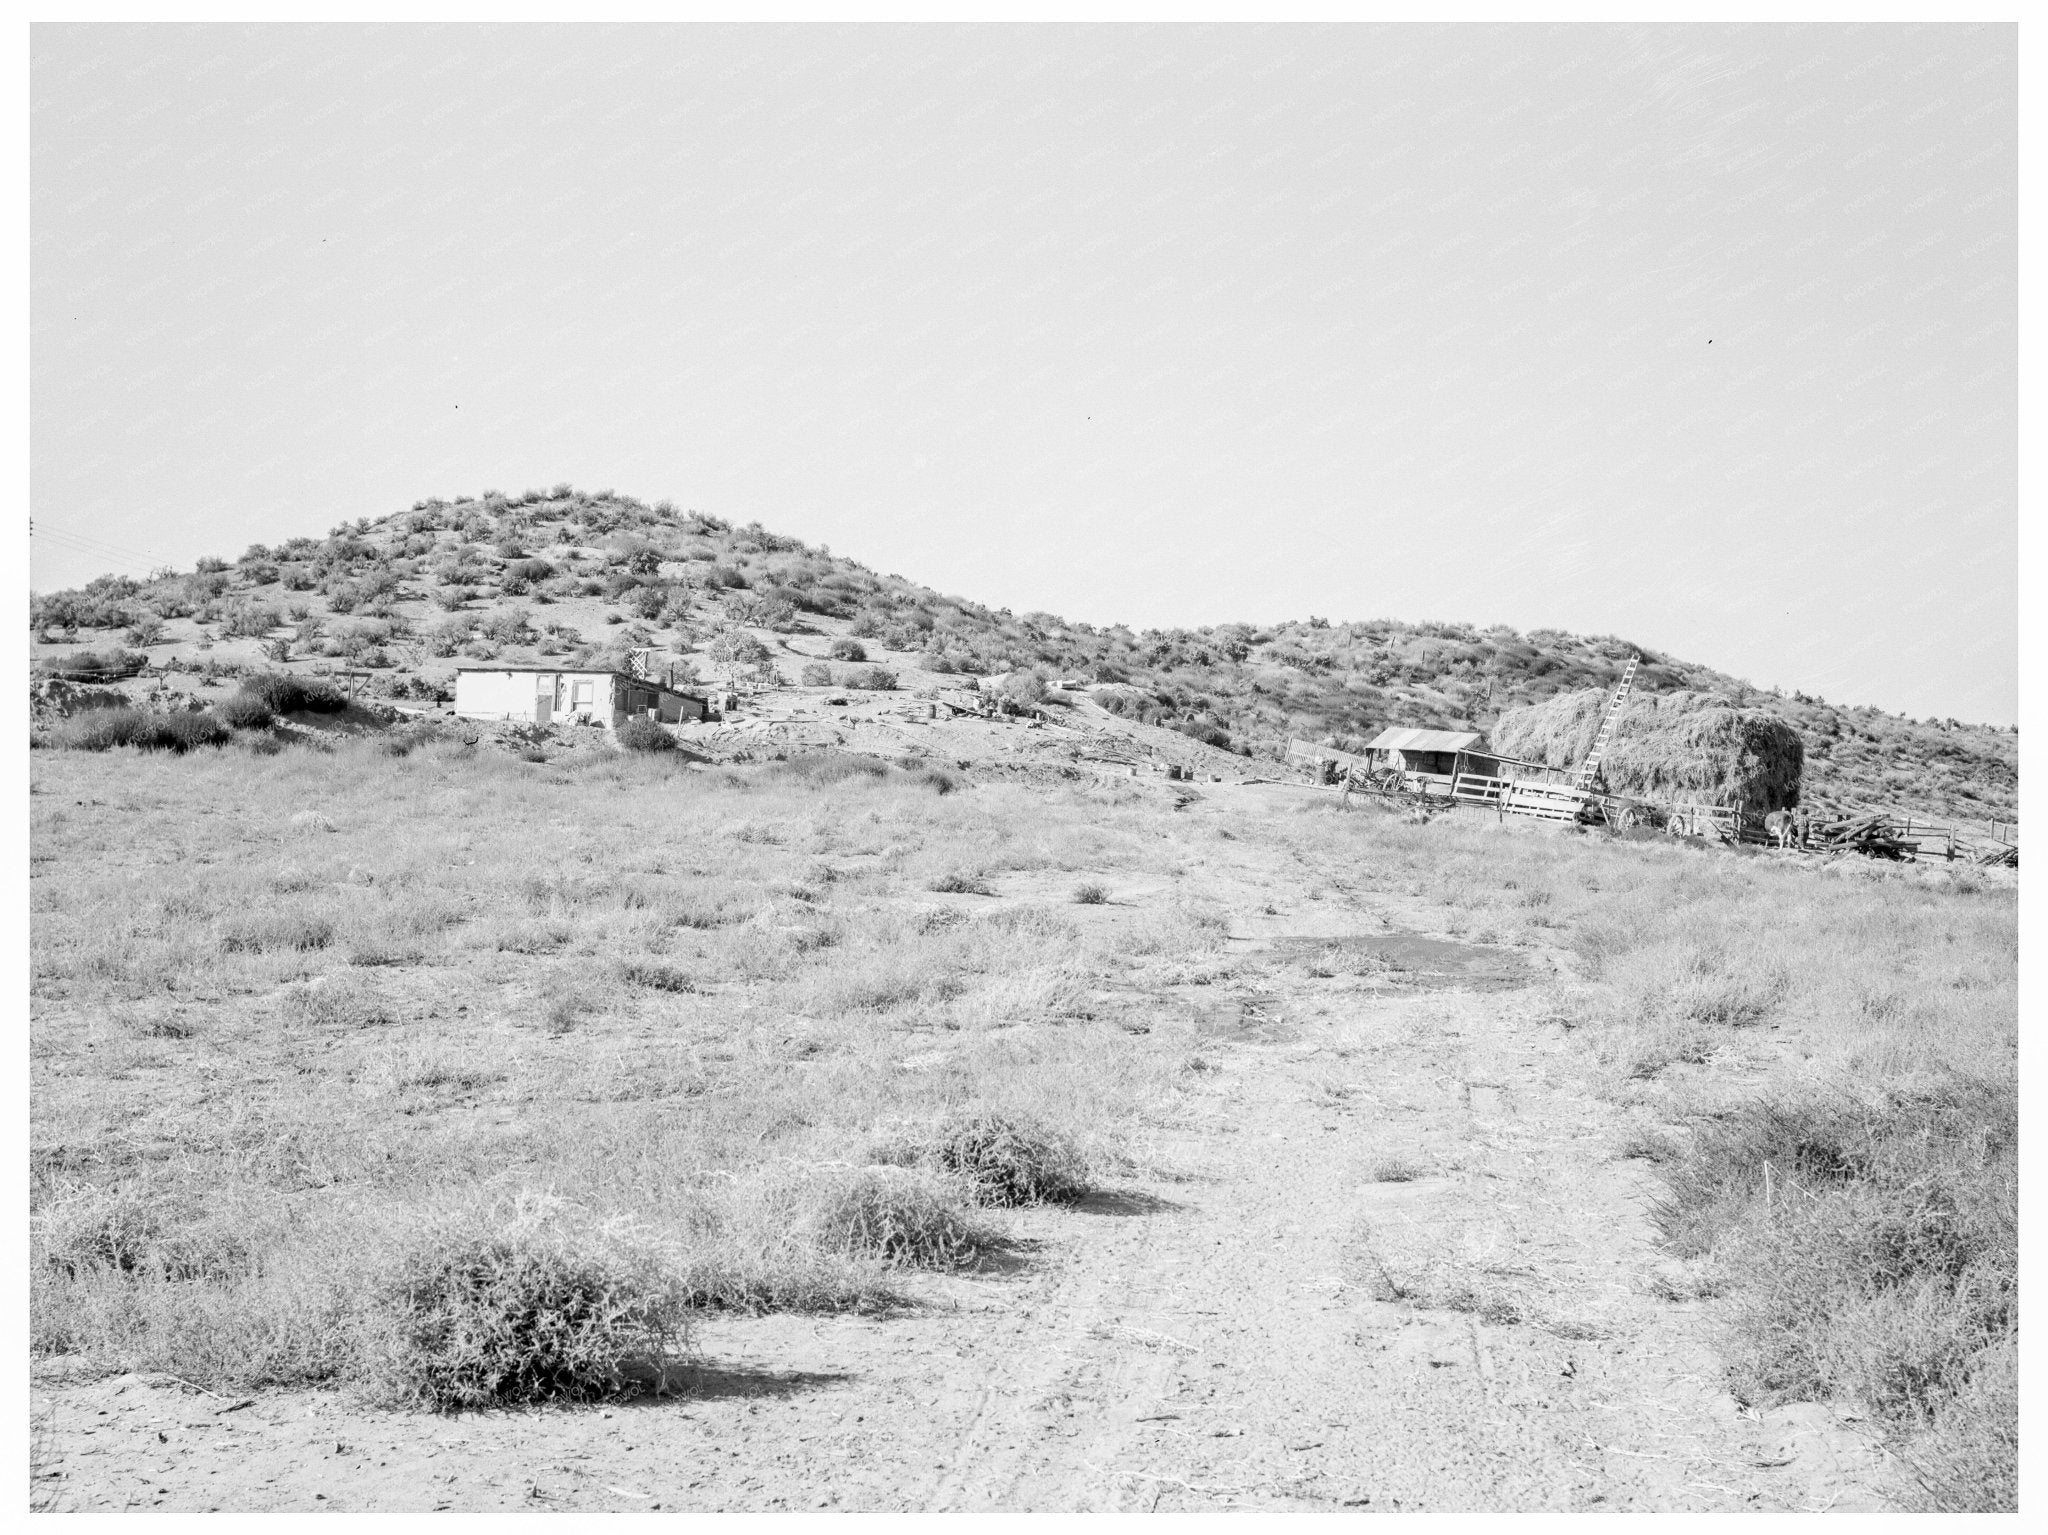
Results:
1701 336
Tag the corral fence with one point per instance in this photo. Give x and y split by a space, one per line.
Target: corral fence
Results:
1877 834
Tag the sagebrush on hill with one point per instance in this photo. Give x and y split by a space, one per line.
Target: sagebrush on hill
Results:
591 579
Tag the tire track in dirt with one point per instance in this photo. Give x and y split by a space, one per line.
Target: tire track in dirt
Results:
1260 1323
1305 1379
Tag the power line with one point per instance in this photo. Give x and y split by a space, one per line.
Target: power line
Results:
92 545
98 548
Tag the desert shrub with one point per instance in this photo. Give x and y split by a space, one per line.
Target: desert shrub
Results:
876 678
1206 733
244 711
509 626
961 882
823 767
145 1232
659 977
448 637
276 930
1009 1160
905 1217
1967 1458
97 607
476 1313
1023 688
764 611
285 694
740 650
103 729
336 1002
78 700
184 732
816 674
642 735
808 598
1872 1251
251 620
414 687
114 1228
93 665
1090 894
848 650
144 629
530 571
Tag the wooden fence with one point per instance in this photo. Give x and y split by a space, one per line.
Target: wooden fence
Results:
1876 833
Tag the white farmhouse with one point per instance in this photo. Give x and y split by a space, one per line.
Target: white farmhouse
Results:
541 695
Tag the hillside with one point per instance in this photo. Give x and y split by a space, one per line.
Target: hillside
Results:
594 577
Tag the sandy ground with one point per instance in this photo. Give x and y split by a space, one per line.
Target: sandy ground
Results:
1254 1316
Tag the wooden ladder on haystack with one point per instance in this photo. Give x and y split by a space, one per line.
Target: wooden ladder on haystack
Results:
1590 768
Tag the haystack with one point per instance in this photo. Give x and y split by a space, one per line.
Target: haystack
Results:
1686 748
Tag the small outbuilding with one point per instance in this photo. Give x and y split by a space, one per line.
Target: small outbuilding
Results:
1440 753
540 695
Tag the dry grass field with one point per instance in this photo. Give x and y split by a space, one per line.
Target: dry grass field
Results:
823 1092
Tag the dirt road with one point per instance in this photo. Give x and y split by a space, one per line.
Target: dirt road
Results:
1385 1256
